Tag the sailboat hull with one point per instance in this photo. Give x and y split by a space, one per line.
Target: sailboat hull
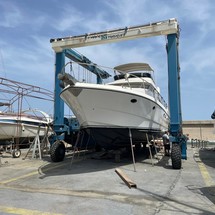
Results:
23 127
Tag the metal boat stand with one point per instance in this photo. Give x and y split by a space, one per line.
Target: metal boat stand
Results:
45 144
76 151
132 148
38 147
154 145
150 144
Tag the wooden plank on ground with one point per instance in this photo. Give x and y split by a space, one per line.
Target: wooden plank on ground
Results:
125 178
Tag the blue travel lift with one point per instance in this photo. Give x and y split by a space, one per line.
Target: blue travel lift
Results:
62 47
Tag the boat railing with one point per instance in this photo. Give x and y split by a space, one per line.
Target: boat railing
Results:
143 85
44 116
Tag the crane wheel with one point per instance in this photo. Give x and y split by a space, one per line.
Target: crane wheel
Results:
176 156
57 151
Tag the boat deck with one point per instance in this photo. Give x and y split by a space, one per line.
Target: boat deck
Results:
91 186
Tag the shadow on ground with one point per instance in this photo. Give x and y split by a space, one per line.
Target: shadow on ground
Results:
209 192
90 162
207 156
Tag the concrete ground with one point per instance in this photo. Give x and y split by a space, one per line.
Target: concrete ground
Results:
91 186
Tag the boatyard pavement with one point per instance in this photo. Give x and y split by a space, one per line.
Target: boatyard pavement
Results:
87 186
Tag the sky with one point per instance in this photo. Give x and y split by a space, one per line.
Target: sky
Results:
26 54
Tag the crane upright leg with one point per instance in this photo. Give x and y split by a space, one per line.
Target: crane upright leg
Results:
177 138
58 102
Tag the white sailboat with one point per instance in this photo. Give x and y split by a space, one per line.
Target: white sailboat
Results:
107 111
24 125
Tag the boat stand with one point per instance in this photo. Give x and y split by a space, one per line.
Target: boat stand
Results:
45 144
38 147
150 144
132 149
76 148
154 145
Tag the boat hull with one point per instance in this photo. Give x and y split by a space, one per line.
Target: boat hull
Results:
11 129
107 112
114 138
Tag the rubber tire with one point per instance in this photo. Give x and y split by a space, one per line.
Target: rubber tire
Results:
176 156
16 153
57 151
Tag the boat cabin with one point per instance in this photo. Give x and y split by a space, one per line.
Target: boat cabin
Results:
134 75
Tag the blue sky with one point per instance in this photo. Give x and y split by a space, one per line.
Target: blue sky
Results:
26 26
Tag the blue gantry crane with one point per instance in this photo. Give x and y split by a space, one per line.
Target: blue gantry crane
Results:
63 47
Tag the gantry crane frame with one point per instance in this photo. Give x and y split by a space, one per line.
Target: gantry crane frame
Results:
170 28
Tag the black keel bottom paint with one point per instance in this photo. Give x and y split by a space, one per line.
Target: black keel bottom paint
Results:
114 138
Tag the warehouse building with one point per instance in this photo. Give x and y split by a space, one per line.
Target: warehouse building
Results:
201 130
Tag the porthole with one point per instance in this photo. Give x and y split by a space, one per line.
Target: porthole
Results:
133 100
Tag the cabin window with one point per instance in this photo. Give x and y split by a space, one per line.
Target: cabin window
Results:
134 85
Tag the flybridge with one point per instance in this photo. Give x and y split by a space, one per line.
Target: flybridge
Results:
152 29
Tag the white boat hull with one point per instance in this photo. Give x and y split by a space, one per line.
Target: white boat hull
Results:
23 127
19 130
109 109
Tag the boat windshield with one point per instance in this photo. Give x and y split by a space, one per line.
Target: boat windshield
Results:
134 75
134 85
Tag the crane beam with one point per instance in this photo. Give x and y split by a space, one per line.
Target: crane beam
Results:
86 63
167 27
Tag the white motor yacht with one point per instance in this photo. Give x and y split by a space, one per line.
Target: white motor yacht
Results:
108 111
